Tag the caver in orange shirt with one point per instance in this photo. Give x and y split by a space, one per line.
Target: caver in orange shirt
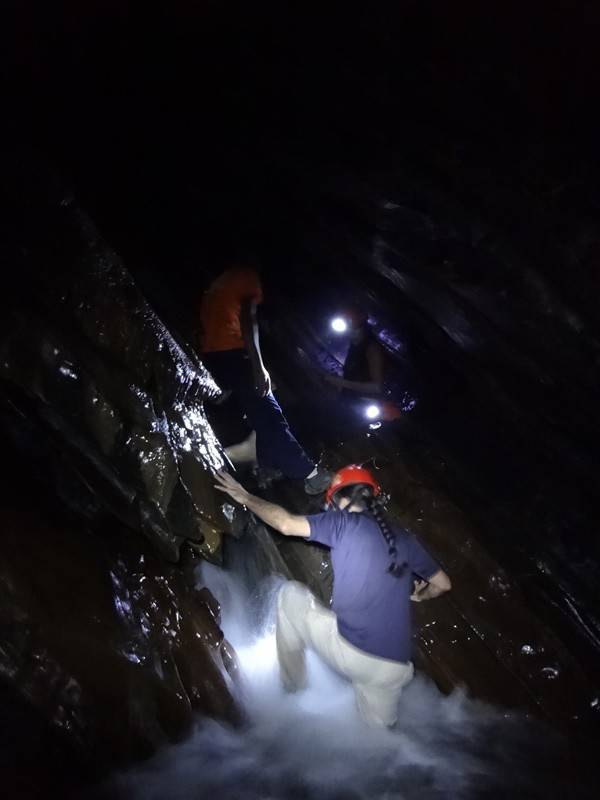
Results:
221 306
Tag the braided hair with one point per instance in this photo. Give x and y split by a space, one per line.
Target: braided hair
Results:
362 495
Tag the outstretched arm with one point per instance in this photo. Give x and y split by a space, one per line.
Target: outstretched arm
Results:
275 516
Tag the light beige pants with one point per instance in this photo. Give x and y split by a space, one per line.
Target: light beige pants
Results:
303 622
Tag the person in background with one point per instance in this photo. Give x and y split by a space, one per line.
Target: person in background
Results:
230 350
364 364
364 368
366 634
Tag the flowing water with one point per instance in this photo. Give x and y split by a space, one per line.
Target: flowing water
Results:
313 744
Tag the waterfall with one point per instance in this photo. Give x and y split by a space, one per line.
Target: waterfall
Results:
314 745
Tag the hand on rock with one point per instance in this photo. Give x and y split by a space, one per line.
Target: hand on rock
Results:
417 589
228 485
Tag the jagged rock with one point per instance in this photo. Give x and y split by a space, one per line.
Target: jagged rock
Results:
104 635
102 377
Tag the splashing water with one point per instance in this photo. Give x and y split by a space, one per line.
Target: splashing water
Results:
314 745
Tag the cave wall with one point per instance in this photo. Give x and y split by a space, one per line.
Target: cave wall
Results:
110 645
92 377
107 500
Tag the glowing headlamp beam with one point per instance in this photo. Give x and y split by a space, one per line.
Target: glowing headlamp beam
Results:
339 325
372 411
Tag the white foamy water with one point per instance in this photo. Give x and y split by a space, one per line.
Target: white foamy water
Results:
314 745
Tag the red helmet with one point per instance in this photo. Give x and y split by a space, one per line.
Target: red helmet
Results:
352 475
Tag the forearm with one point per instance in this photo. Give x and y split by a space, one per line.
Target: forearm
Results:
251 340
275 516
254 346
361 387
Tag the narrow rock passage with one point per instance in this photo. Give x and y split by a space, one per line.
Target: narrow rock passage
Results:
436 162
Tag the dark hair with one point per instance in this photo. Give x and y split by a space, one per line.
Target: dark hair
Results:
363 495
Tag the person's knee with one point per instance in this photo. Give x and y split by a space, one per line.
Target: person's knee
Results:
292 590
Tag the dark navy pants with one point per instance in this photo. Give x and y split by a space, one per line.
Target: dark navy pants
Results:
276 446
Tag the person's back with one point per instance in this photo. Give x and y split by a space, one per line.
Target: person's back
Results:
365 591
363 364
221 309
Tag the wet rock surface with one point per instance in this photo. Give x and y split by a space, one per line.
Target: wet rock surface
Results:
106 641
439 162
91 377
108 649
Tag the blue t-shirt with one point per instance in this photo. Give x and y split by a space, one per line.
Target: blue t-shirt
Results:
372 605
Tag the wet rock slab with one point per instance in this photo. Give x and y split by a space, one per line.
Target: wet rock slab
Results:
107 499
106 641
93 382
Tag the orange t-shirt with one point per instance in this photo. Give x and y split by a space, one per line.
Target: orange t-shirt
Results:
221 307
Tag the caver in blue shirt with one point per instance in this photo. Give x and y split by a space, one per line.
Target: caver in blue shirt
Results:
372 605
